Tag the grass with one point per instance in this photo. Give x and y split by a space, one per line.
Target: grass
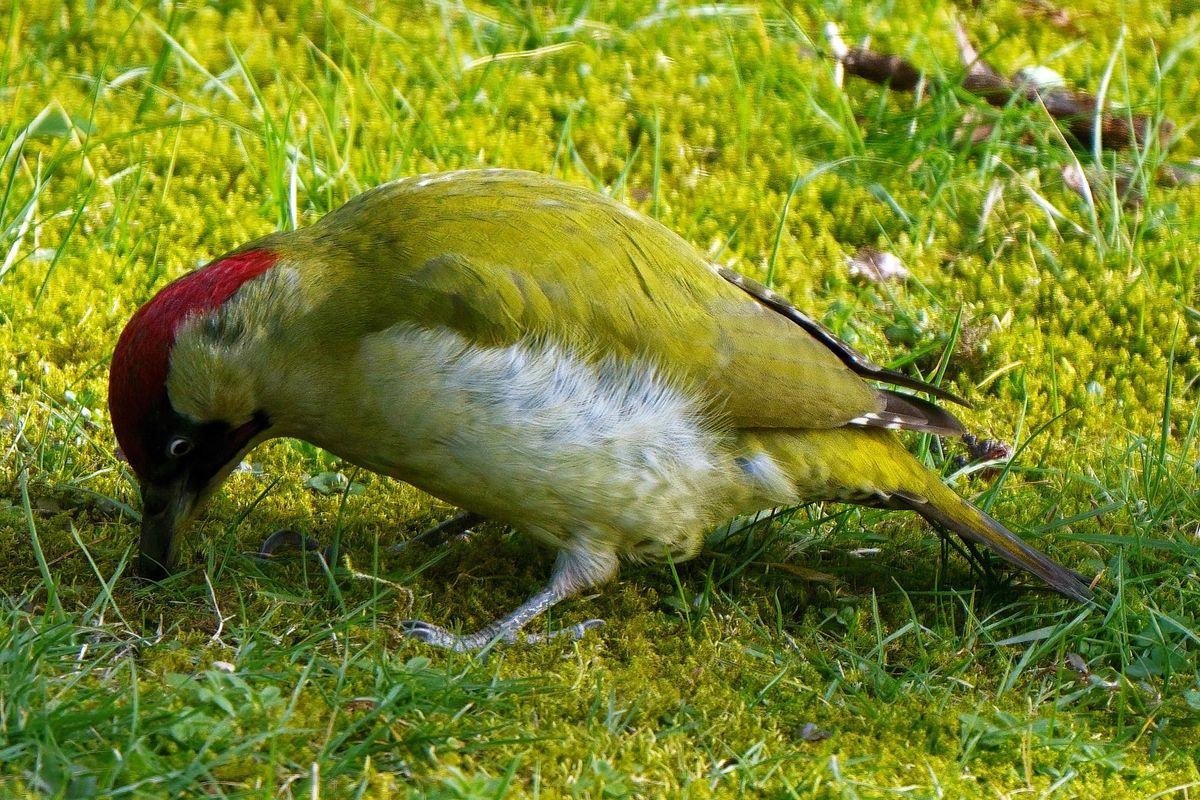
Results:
823 652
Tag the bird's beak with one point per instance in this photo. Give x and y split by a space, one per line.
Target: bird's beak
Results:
165 508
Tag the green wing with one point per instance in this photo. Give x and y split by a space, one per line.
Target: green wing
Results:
500 256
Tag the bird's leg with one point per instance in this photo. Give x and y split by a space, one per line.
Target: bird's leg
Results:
574 571
458 525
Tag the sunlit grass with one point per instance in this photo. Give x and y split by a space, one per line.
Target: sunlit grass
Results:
824 651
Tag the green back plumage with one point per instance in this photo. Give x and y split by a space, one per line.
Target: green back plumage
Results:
499 256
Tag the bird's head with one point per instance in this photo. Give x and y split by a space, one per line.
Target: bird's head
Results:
182 412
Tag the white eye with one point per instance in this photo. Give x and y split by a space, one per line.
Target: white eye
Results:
179 447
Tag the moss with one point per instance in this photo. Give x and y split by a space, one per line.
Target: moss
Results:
718 685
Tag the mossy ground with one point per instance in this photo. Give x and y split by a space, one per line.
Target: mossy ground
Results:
139 141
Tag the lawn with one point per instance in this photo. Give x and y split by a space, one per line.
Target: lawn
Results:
823 651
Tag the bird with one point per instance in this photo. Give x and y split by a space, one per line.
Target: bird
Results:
532 352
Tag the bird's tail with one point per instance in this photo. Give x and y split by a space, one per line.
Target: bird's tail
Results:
941 506
872 467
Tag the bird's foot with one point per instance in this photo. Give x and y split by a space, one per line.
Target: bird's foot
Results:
285 538
574 632
473 642
457 528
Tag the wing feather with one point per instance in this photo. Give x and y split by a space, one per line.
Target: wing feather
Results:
500 256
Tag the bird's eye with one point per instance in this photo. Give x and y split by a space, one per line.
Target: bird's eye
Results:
179 447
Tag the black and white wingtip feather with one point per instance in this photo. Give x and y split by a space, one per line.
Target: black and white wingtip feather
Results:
860 364
911 413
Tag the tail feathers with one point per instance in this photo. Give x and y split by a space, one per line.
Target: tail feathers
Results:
870 466
955 514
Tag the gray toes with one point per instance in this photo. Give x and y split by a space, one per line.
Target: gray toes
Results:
440 637
573 632
430 634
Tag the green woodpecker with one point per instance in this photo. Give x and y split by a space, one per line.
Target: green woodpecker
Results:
534 353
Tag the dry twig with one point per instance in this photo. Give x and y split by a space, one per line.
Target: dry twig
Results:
1078 112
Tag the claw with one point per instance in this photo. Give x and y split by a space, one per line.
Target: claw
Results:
447 640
